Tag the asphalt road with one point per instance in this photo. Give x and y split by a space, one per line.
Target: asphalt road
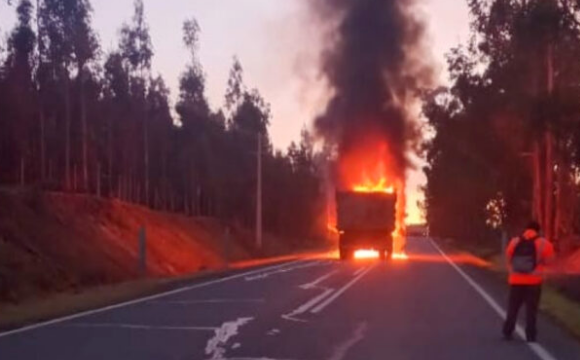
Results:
423 308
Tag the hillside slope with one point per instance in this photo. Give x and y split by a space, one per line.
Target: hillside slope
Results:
54 242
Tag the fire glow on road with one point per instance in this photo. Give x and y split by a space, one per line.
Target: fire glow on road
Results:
373 254
366 254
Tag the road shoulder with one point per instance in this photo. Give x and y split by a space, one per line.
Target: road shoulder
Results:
559 316
15 316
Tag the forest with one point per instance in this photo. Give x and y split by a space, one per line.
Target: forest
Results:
506 147
77 119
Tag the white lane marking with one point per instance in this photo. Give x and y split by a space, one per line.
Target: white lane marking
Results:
255 358
314 284
341 351
306 306
139 327
216 346
340 291
359 271
326 291
210 301
283 270
538 349
143 299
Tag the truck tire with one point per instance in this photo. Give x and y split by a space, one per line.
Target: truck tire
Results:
343 254
383 254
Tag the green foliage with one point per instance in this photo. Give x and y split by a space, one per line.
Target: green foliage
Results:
505 95
136 44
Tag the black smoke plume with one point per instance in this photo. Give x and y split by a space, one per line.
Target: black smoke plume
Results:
375 64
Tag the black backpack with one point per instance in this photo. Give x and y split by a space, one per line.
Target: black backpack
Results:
525 256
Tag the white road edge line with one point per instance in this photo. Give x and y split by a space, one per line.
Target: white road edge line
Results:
140 327
340 291
143 299
538 349
210 301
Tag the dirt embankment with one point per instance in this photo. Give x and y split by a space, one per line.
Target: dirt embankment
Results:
55 242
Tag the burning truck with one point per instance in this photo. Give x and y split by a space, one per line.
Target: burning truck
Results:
375 65
366 220
369 209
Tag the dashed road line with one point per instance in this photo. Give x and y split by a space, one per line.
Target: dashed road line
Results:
281 271
340 291
314 284
326 291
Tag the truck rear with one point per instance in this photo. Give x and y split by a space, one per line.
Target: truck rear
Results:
365 221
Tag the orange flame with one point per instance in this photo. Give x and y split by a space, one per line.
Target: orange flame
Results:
368 186
333 229
368 169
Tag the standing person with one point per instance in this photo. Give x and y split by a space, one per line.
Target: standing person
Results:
527 257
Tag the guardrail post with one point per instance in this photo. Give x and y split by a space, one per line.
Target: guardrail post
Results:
226 247
142 252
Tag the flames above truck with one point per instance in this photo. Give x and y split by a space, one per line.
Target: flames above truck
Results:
375 65
366 170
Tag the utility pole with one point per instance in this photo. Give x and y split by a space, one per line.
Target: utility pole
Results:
259 195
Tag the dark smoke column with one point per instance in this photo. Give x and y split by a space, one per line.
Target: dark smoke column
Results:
374 64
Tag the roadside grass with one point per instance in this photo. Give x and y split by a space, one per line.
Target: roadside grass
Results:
63 304
563 310
559 307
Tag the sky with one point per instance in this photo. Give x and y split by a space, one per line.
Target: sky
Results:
275 41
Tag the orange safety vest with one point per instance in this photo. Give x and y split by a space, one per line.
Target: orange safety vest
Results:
545 252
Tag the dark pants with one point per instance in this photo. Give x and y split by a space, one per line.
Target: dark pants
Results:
519 295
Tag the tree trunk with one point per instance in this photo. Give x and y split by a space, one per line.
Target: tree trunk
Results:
537 202
75 178
67 119
110 153
22 170
146 154
129 189
50 178
83 115
562 169
164 184
549 188
98 179
119 187
41 118
42 144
